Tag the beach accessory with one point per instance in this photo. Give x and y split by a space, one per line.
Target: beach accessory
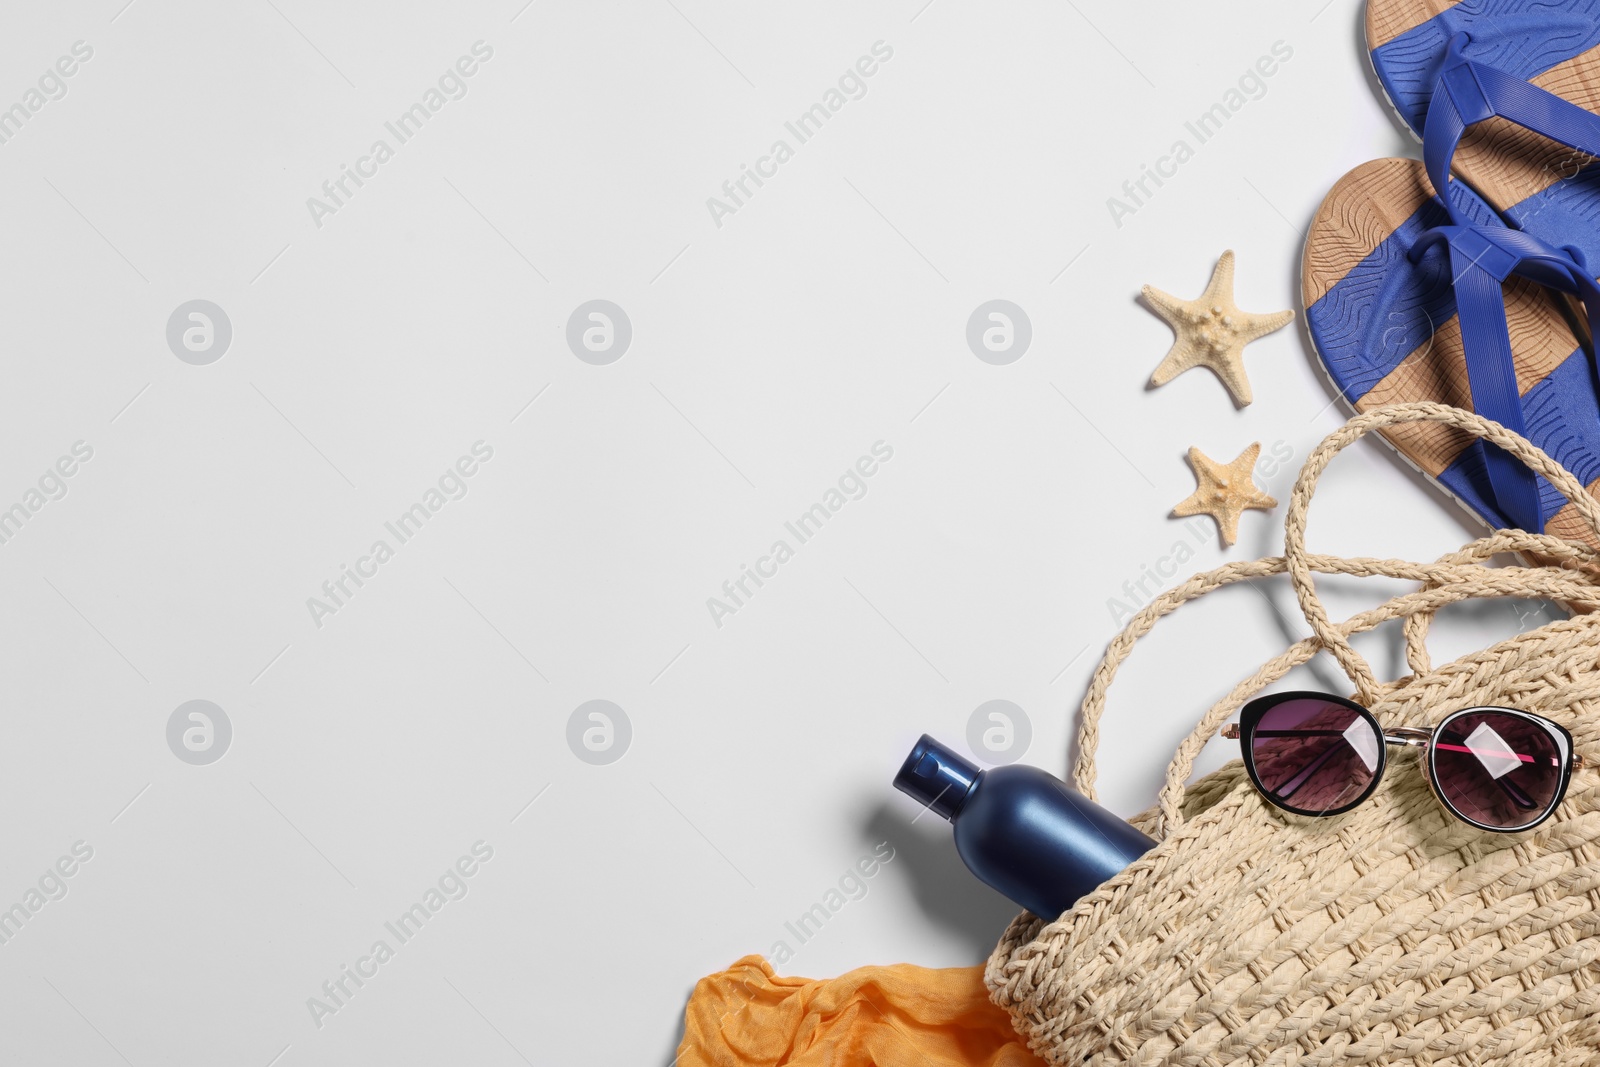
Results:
1019 829
1517 86
1405 303
894 1016
1314 754
1503 95
1392 934
1225 491
1211 331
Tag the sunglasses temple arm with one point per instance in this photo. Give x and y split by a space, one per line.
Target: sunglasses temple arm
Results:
1512 791
1518 797
1303 775
1300 777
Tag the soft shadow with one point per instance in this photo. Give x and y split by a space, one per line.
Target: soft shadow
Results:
1150 386
1275 596
1286 616
1468 523
1407 142
948 893
671 1058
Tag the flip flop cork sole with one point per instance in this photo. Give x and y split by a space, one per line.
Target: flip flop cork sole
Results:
1517 171
1361 231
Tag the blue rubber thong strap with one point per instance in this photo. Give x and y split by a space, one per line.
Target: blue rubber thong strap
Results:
1468 92
1481 259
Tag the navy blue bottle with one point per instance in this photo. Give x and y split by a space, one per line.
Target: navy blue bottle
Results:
1020 829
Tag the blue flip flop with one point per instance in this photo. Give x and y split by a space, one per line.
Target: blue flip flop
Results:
1504 95
1409 299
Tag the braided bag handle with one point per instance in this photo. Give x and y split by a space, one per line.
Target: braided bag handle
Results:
1454 577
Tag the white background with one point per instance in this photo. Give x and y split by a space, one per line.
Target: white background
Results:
369 352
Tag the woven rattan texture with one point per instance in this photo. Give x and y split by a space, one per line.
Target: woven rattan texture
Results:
1393 934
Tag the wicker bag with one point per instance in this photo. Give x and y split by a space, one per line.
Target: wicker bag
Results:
1393 934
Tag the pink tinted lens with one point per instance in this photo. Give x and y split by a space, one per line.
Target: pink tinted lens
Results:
1315 756
1497 769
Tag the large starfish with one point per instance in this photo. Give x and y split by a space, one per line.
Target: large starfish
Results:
1224 492
1212 331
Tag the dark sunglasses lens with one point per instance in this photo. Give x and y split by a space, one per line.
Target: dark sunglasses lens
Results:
1315 756
1497 769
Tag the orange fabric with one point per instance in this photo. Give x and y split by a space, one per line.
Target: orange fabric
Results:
899 1016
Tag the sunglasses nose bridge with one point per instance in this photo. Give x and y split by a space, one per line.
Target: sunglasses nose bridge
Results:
1409 736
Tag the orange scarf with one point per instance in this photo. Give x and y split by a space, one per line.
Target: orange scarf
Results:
898 1016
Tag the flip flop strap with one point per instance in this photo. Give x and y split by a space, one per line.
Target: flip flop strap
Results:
1481 260
1468 92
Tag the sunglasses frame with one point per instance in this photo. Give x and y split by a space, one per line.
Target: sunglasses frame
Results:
1251 714
1250 719
1570 762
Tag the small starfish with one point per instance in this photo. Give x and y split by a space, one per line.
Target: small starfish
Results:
1224 492
1212 331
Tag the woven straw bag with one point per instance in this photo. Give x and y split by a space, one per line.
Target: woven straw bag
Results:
1393 934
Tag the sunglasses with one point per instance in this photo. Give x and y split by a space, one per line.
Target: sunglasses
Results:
1496 768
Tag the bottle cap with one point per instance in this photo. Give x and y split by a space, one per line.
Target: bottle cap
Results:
938 778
